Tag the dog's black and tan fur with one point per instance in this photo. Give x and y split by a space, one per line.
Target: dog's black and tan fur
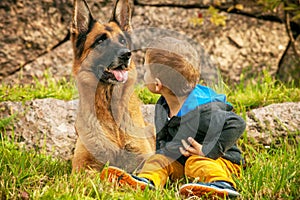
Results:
109 123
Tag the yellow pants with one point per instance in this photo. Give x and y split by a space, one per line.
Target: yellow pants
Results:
159 168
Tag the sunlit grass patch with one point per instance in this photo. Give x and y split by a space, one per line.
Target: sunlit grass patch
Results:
49 88
272 172
264 90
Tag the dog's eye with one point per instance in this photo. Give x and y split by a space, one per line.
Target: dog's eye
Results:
101 39
122 40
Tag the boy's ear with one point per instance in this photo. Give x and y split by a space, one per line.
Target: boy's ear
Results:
158 85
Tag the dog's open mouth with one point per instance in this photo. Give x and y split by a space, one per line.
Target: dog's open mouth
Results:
119 74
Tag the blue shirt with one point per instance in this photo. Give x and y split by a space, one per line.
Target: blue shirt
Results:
200 95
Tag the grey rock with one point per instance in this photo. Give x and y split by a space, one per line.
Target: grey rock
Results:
47 125
274 122
148 113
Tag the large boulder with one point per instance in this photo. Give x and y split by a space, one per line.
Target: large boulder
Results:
46 125
274 123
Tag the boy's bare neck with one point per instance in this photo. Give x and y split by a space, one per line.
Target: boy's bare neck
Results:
174 103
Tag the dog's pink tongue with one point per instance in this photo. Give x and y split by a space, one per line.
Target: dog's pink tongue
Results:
121 75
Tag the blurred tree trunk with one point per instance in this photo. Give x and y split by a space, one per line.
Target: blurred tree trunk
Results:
289 65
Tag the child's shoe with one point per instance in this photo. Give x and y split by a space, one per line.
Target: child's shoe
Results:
114 174
219 188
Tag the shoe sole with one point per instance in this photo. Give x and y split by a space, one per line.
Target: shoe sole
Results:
202 190
116 175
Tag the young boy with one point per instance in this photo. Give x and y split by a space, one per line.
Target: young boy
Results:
196 128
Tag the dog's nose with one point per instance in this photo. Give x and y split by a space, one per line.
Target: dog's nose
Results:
124 54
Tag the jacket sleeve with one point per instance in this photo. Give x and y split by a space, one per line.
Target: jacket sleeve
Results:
185 130
224 130
220 129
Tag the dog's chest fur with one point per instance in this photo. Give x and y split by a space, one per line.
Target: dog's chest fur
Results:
109 122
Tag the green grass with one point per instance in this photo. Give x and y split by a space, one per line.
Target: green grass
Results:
5 122
145 95
26 173
262 91
272 172
50 88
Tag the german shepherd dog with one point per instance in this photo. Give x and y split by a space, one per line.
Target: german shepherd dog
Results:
109 122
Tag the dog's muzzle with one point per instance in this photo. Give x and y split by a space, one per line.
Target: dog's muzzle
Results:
119 68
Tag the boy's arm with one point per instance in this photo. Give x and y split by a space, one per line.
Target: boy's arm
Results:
185 130
193 148
224 130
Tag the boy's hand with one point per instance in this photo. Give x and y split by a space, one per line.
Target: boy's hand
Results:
193 149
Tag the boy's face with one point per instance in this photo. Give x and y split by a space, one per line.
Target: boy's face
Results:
149 80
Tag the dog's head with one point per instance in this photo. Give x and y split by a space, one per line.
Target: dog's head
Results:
102 48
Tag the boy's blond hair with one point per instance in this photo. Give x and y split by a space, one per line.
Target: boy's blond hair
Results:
175 62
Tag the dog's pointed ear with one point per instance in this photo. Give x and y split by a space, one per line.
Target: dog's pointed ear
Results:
82 17
122 14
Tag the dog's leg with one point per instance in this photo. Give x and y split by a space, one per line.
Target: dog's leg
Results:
83 159
134 108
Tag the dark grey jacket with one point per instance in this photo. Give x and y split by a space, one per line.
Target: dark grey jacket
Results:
213 125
